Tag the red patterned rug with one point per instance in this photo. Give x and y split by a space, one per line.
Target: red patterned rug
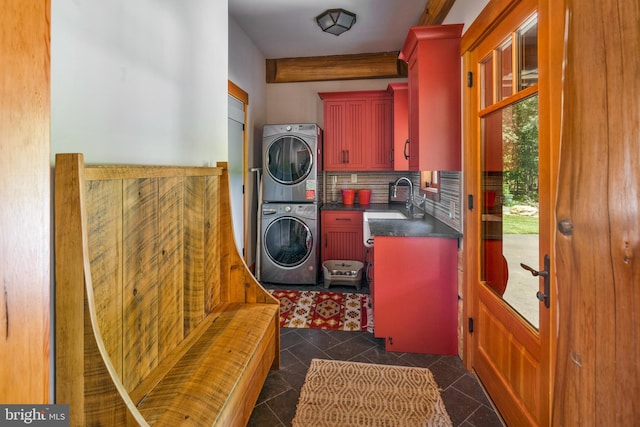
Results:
323 310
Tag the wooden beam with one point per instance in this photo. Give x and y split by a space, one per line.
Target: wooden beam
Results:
435 11
349 67
337 67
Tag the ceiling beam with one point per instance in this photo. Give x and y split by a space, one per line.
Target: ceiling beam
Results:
337 67
349 67
435 11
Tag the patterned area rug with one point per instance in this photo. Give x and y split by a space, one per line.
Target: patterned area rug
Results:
337 393
323 310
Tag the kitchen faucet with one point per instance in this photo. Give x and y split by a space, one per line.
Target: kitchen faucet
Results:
409 204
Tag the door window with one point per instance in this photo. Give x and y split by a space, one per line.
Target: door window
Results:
510 225
289 160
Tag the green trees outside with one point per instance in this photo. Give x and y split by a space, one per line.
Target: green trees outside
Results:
520 139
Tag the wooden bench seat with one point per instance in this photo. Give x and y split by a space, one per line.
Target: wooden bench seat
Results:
158 319
224 348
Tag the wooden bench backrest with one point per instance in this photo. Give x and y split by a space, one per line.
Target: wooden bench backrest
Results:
148 252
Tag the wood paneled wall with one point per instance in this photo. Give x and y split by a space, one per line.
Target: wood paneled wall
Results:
163 254
25 198
598 211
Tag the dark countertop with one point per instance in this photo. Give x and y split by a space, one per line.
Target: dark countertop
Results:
428 226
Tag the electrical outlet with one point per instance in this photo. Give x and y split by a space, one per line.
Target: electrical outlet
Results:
354 178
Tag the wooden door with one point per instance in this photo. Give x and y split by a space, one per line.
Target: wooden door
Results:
598 226
25 195
510 146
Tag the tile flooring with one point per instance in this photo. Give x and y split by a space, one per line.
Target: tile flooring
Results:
466 402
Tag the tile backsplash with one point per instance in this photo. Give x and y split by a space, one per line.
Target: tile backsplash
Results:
378 183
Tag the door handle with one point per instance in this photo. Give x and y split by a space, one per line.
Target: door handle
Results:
404 150
542 296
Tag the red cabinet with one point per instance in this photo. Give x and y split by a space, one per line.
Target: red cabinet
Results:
400 124
433 57
415 301
342 235
357 130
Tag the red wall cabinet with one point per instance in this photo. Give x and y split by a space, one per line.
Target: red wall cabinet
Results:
433 57
415 306
357 130
342 235
400 124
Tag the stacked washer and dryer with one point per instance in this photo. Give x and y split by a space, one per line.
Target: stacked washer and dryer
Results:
291 197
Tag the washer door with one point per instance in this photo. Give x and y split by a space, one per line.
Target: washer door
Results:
289 160
288 242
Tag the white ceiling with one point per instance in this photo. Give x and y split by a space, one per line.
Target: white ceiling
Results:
287 28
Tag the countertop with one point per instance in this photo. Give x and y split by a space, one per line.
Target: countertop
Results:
428 226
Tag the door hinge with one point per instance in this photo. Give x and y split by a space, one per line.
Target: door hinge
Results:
470 325
469 79
242 188
470 202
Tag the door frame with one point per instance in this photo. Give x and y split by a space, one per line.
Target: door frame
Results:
242 96
550 51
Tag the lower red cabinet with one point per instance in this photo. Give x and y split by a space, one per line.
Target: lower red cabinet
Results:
416 300
342 235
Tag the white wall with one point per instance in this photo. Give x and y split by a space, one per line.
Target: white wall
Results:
139 81
247 70
465 12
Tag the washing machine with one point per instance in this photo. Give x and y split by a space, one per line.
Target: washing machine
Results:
292 160
290 251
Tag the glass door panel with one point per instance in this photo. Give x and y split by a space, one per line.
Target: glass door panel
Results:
528 45
510 230
486 78
506 68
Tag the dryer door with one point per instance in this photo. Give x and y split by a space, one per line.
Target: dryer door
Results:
288 241
289 160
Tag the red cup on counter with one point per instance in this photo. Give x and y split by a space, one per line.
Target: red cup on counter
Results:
348 196
364 196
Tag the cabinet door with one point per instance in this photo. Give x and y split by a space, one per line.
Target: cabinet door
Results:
345 124
379 142
414 116
342 236
400 124
433 58
415 303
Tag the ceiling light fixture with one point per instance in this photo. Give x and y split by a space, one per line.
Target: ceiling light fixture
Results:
336 21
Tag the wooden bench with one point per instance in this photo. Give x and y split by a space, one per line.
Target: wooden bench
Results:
158 319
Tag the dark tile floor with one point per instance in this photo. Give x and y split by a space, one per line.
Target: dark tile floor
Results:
464 399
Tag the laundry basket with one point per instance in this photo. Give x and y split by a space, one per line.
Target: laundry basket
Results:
342 272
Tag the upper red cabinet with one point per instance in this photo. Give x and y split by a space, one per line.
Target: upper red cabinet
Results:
400 124
432 54
357 130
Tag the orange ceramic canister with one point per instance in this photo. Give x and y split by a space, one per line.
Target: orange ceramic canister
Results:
348 196
364 196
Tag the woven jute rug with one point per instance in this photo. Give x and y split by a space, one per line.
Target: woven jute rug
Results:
349 394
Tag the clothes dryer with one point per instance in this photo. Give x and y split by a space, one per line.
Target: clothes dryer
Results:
289 252
291 163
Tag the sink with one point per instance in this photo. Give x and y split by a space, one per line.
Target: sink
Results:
367 215
383 215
